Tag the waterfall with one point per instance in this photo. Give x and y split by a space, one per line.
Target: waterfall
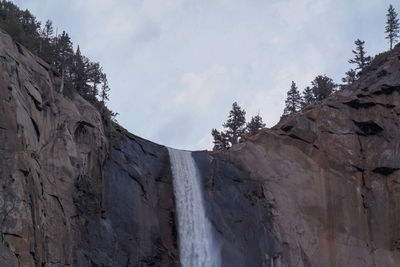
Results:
195 237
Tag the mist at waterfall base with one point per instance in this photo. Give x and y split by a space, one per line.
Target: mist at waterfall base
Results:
197 247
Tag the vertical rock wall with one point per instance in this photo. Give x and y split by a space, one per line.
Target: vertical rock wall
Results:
68 197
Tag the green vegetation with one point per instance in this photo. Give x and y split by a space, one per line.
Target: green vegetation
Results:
236 128
322 87
361 60
392 26
350 76
256 123
377 61
365 63
78 73
308 97
293 100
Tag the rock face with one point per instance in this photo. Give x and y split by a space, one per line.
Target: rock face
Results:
239 214
135 222
321 188
46 143
68 196
331 174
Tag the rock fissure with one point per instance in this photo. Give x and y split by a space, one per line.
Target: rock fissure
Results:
367 128
140 145
337 133
357 104
12 234
294 136
387 89
332 106
37 103
36 127
134 178
59 202
385 170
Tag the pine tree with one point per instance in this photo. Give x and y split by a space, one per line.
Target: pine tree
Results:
392 26
80 76
76 71
322 87
293 100
12 21
64 50
95 73
255 125
235 127
104 93
63 60
46 48
350 77
360 58
220 140
236 123
48 30
308 97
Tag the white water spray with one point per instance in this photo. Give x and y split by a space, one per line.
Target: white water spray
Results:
195 237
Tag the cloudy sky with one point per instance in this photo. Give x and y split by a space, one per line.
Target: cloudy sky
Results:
175 67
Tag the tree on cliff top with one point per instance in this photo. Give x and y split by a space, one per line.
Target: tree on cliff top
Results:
308 97
21 25
255 125
221 140
78 73
80 76
350 77
236 128
322 87
293 100
236 123
104 93
392 26
360 56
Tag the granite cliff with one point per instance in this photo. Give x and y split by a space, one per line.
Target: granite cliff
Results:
69 196
321 188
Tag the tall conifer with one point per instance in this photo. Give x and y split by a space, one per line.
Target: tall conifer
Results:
293 100
361 60
392 26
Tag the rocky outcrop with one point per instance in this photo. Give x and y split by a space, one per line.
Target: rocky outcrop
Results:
330 175
68 196
46 142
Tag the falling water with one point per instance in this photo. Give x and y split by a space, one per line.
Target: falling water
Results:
195 238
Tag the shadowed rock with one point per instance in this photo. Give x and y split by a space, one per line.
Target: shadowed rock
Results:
385 170
355 103
368 128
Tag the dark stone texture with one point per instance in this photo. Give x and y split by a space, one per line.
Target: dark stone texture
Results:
70 196
135 227
241 218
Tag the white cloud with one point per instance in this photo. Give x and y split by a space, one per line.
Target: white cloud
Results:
159 9
202 88
295 13
121 24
